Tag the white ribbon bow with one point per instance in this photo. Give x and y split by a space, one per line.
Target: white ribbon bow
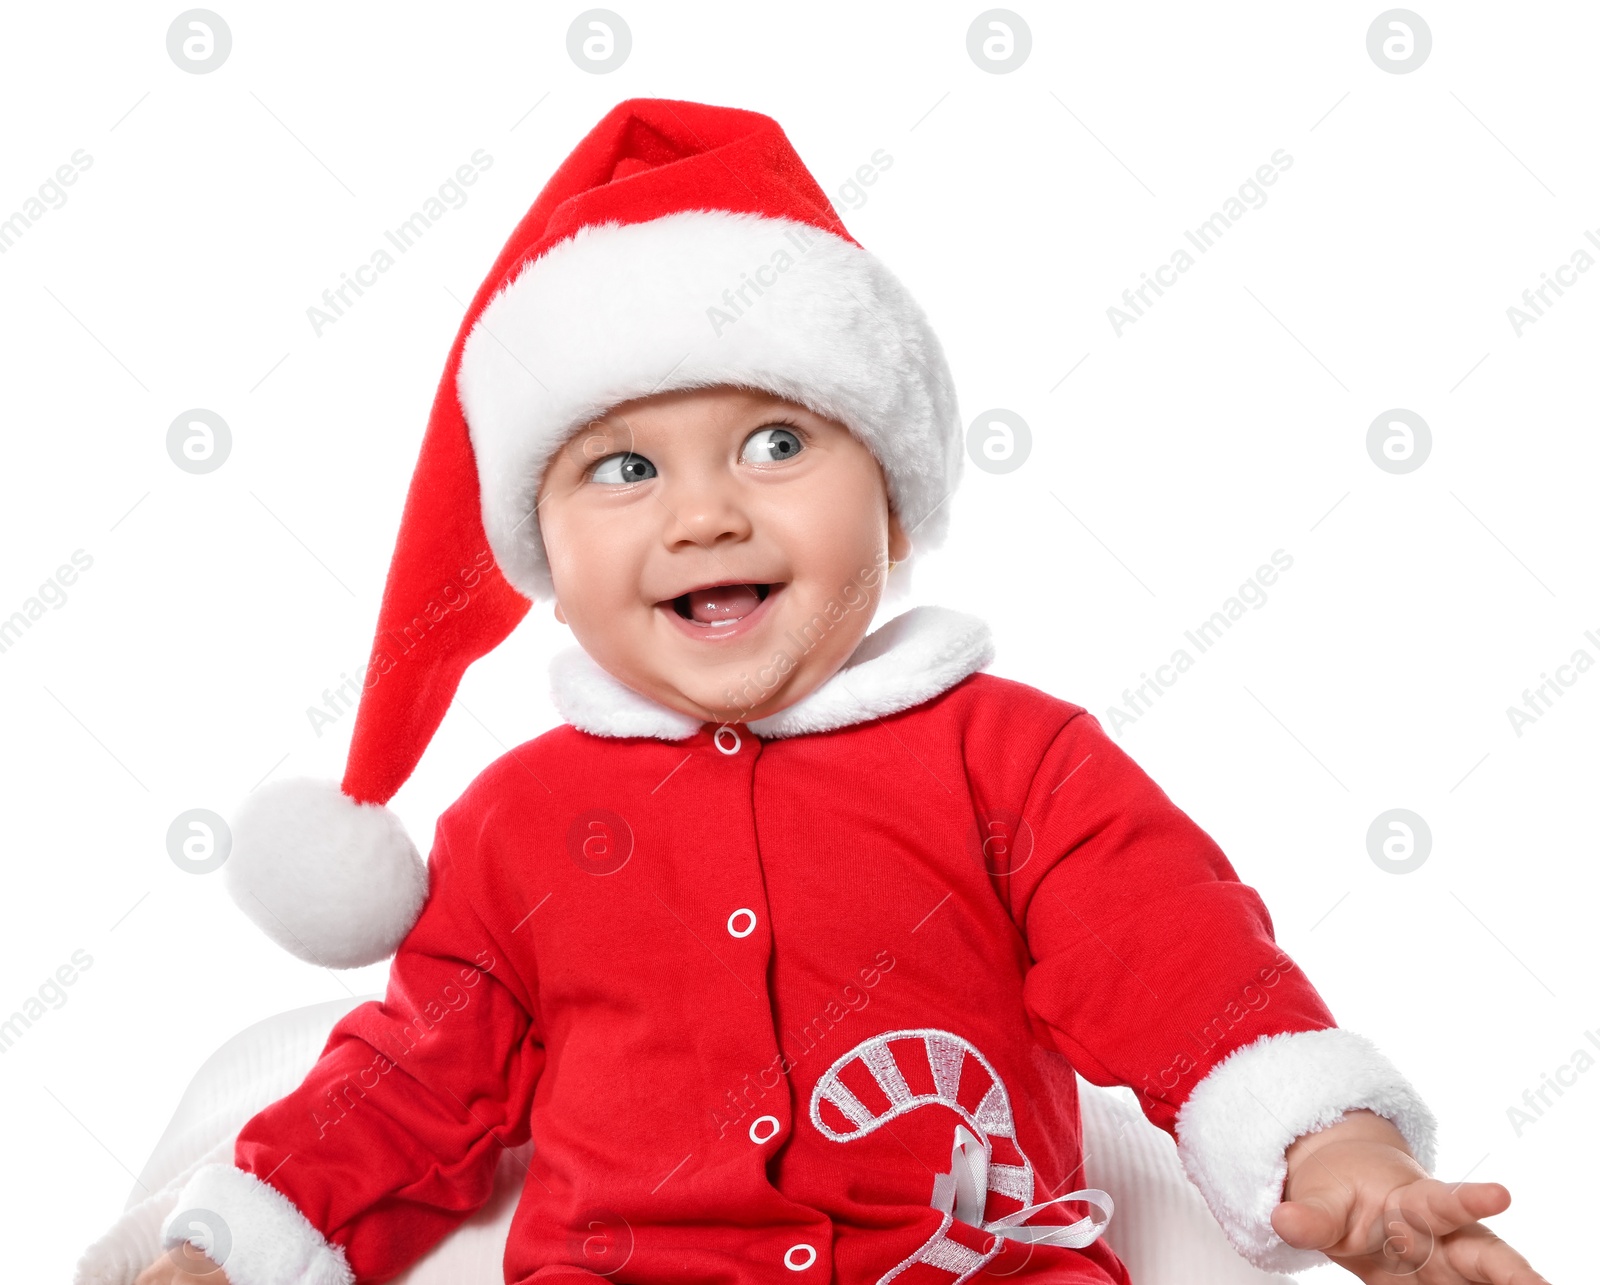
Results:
964 1191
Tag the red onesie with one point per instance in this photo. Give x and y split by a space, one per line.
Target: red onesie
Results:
752 990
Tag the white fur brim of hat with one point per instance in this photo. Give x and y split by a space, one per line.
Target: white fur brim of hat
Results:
689 300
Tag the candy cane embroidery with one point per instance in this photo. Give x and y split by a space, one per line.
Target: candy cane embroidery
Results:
962 1194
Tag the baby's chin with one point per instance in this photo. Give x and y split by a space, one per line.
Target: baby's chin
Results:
739 689
736 696
741 677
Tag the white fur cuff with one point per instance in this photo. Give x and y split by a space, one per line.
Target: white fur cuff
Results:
1240 1119
252 1231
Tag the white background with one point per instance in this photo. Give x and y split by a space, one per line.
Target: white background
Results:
1228 422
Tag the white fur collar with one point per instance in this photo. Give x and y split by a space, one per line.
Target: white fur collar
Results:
912 658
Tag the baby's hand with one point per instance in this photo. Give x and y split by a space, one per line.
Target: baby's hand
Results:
1355 1192
184 1265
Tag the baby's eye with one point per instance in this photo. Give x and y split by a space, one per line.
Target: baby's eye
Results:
766 445
621 468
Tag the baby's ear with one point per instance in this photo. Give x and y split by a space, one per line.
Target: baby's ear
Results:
899 541
560 615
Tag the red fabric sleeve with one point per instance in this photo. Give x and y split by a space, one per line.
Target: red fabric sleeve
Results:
1152 961
393 1137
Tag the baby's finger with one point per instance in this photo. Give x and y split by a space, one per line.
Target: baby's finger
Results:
1445 1206
1481 1256
1310 1224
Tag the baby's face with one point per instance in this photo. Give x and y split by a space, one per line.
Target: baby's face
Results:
720 550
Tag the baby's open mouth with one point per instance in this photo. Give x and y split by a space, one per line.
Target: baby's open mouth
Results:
721 605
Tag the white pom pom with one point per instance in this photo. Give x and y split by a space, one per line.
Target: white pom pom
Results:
336 882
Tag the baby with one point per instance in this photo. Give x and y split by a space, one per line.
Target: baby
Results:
785 947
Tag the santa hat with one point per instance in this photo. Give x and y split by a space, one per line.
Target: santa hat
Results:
678 246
